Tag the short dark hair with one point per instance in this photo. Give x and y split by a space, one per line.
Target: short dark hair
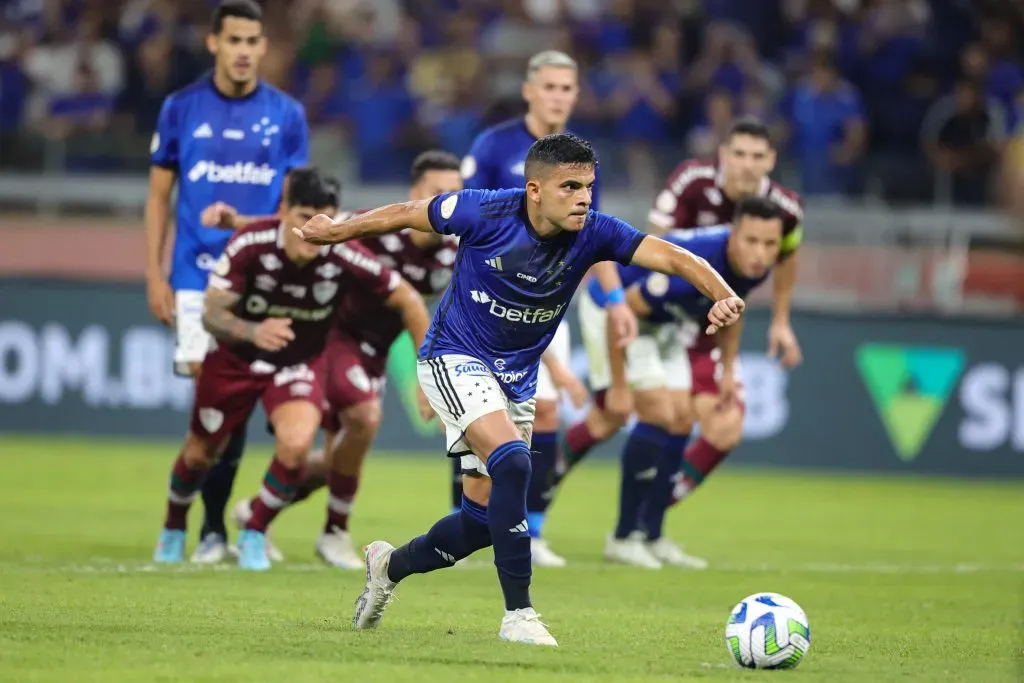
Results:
756 207
243 9
752 127
563 149
433 160
309 186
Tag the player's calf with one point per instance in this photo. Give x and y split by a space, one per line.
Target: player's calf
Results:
670 460
361 423
187 474
721 429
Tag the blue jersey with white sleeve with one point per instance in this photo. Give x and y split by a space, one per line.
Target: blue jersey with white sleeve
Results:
234 150
672 298
510 287
497 159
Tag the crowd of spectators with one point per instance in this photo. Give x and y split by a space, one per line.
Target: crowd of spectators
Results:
899 98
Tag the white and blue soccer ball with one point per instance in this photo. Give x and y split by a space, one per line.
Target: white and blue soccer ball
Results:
767 631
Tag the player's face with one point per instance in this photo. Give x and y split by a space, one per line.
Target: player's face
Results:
754 245
551 95
238 48
296 217
433 183
564 195
745 161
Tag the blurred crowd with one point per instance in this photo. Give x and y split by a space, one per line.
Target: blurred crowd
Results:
909 100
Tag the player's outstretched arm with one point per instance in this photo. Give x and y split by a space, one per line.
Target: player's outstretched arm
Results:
410 305
322 229
664 257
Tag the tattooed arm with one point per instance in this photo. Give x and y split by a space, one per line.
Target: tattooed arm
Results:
219 321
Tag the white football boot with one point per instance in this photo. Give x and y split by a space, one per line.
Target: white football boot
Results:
379 589
667 552
543 555
525 626
242 513
212 549
335 548
632 551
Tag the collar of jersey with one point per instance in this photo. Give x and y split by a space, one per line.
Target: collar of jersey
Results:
243 98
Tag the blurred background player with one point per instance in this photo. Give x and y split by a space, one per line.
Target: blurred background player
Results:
230 137
669 359
701 193
270 305
357 354
496 161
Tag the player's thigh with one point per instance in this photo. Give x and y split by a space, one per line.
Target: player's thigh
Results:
679 381
593 331
645 370
721 426
654 406
293 399
363 418
683 412
226 394
191 340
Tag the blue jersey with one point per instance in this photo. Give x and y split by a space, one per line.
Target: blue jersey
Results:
497 159
510 288
234 150
672 298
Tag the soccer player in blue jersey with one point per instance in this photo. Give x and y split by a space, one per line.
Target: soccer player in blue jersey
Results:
227 137
670 358
522 254
496 161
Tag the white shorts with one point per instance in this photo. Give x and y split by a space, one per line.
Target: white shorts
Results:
561 347
191 341
656 359
461 390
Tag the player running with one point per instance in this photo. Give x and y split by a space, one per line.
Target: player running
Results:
270 304
479 364
357 354
496 161
667 361
229 137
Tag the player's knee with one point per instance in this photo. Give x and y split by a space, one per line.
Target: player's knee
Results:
293 443
477 488
363 418
654 408
725 430
546 417
198 453
510 461
604 424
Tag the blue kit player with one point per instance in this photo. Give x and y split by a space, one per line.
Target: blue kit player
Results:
675 370
522 254
229 138
496 161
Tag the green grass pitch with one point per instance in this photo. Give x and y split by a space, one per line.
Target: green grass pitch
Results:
902 579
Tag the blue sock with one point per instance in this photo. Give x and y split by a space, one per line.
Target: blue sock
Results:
452 538
509 467
542 480
216 491
639 469
670 460
456 484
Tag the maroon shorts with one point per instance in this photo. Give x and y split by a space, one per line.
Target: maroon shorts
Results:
356 373
229 387
705 371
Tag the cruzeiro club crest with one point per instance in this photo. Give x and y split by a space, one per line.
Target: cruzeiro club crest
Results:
910 386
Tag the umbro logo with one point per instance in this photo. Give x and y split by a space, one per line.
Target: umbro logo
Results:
203 131
494 263
521 528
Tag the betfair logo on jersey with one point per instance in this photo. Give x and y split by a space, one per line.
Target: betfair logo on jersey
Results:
528 316
238 173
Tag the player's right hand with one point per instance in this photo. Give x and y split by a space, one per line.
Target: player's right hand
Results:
161 299
622 321
725 312
219 215
317 229
423 404
273 334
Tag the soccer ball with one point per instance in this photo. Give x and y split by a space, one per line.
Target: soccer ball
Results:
767 631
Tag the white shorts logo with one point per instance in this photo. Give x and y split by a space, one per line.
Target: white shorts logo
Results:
211 419
359 378
301 389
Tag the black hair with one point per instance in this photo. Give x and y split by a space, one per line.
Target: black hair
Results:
243 9
563 149
308 186
433 160
756 207
751 127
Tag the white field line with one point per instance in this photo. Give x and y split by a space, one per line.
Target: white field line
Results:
112 566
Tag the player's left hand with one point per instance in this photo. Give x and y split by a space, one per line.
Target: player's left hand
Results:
725 312
623 323
219 215
316 230
782 339
425 410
